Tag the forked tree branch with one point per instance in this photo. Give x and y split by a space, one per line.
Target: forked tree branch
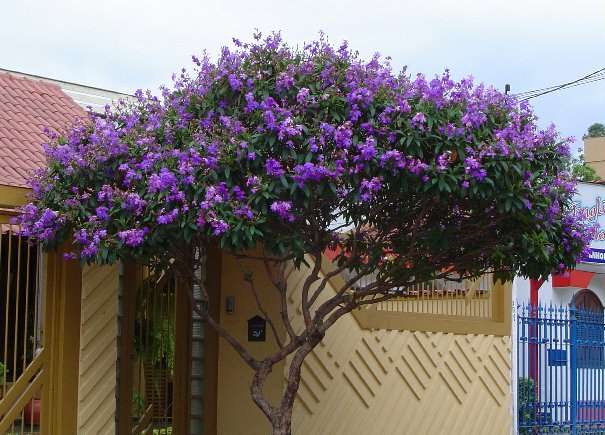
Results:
311 278
282 289
259 305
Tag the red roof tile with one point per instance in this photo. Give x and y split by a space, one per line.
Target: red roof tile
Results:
26 106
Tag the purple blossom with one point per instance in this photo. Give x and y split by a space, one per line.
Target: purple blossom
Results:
419 120
310 172
168 218
473 168
282 209
219 227
392 158
343 136
367 149
102 213
369 188
134 203
302 95
105 193
243 211
163 181
253 183
170 153
274 168
442 162
235 83
134 237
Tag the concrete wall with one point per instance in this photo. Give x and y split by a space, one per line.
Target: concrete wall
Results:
402 382
559 295
370 382
236 413
594 154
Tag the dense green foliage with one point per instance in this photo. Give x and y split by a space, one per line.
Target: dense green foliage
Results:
596 130
315 149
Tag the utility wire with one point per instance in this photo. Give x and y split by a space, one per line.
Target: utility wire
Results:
590 78
552 88
582 80
537 91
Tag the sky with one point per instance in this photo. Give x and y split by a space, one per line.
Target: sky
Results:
130 44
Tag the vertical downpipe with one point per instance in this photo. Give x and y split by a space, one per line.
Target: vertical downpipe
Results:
196 425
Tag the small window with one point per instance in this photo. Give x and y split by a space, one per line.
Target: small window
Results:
589 330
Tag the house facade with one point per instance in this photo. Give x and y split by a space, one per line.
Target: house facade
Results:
104 350
559 330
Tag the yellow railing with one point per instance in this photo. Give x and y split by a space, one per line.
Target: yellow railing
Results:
478 306
451 298
22 353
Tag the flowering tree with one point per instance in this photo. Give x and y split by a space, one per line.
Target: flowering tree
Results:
302 151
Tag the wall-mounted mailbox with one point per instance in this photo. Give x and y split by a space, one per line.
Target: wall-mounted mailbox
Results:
257 329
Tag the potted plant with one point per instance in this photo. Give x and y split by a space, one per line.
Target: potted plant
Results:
31 411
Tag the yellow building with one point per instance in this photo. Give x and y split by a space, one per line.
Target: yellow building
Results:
104 350
594 154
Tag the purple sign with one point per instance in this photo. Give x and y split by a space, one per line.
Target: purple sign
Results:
589 205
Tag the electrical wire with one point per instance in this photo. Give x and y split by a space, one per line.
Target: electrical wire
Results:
590 78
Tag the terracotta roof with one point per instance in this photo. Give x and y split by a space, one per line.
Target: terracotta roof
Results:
26 108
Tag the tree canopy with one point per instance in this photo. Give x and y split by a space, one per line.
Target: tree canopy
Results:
302 151
581 171
596 130
294 148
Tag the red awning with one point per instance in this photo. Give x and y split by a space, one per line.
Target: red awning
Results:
572 278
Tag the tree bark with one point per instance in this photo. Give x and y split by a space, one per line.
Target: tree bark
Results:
282 417
283 426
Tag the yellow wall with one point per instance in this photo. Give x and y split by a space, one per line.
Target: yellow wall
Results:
594 154
98 351
401 382
236 413
371 382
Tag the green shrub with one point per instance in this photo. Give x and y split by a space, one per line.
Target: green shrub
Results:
526 402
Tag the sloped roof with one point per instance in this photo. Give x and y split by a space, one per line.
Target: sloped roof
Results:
27 107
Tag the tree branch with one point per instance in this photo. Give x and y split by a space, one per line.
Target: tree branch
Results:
311 278
260 307
282 288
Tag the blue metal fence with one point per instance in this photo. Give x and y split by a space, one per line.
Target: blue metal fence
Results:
560 370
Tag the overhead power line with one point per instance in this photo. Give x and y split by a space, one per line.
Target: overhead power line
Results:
590 78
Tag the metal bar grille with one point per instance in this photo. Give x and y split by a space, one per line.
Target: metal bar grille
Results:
466 298
20 330
560 370
154 346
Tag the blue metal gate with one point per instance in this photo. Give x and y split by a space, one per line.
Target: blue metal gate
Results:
560 370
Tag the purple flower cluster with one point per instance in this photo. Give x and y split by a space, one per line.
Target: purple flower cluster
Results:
267 131
473 168
274 168
369 188
311 172
133 237
283 210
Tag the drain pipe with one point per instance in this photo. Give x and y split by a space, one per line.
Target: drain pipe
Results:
534 367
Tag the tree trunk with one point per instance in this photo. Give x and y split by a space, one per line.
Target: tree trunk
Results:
282 418
283 425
